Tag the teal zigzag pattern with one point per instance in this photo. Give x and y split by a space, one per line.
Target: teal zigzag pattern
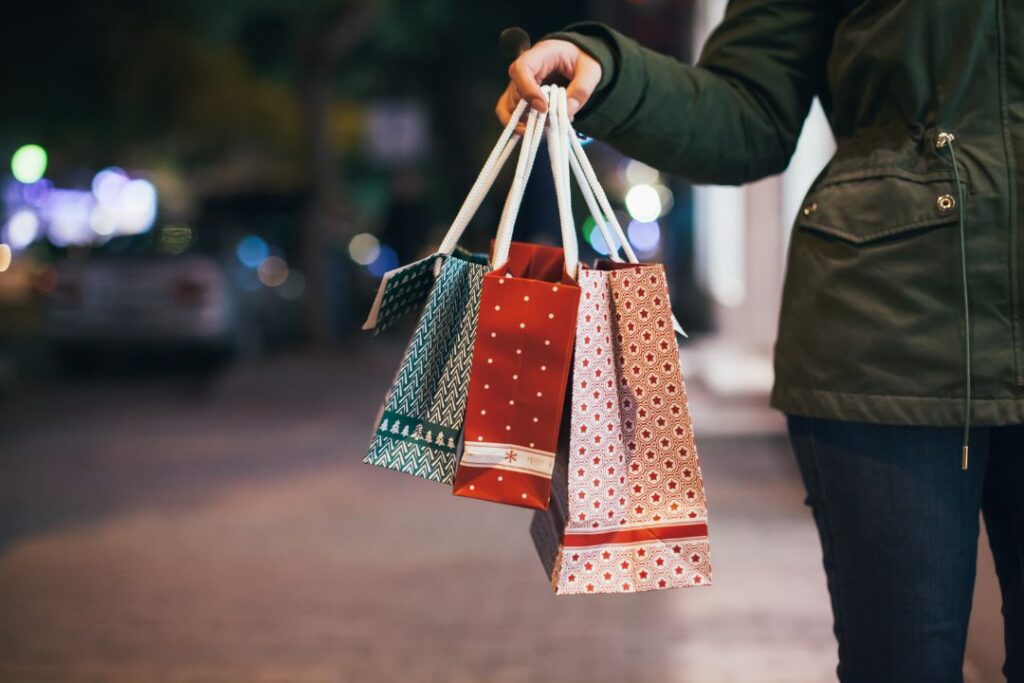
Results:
429 391
405 292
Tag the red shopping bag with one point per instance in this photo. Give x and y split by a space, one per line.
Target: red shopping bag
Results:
517 380
524 341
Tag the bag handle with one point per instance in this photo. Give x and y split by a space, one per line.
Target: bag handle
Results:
558 137
596 199
597 202
595 210
559 156
527 155
484 181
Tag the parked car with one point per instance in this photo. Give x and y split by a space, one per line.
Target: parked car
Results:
136 291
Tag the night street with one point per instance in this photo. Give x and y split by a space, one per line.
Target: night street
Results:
639 252
223 528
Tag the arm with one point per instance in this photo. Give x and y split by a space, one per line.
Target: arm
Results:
732 118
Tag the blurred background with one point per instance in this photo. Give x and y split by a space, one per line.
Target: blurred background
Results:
198 200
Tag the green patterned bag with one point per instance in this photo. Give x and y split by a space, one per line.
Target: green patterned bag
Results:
420 424
419 427
404 290
401 291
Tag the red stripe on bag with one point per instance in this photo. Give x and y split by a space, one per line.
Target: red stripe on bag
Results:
662 533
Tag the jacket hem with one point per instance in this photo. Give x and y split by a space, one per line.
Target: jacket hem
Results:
925 411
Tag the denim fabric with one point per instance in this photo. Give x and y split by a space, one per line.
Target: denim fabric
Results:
898 521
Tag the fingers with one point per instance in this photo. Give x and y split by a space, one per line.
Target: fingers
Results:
587 75
527 73
507 105
547 60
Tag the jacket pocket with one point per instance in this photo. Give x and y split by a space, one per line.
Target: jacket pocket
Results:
876 203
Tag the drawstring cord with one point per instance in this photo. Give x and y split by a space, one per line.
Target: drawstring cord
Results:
946 140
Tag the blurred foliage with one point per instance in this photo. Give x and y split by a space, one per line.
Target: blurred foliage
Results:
191 80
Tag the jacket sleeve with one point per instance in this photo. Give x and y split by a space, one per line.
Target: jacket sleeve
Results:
732 118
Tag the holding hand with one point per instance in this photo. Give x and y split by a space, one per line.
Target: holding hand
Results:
549 61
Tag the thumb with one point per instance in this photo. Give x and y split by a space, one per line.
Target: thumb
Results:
586 76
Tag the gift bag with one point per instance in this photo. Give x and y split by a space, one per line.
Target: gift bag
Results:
628 510
523 349
406 288
419 426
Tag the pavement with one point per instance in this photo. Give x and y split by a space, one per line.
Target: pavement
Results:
173 527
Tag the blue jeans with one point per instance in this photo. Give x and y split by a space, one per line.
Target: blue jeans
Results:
898 521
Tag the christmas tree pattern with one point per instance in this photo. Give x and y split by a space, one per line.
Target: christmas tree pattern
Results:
429 391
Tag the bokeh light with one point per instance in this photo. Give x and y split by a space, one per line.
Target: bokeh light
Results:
5 257
103 220
364 249
273 271
28 163
643 203
136 204
37 193
639 173
588 227
251 251
107 185
22 228
386 260
67 214
598 244
668 199
644 236
122 205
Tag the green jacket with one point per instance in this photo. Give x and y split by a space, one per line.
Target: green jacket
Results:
873 312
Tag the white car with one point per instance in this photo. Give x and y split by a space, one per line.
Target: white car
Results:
146 300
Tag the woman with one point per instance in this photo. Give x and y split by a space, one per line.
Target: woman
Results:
900 353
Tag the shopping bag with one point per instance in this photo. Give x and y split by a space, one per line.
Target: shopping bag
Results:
402 291
419 425
523 349
630 514
518 377
628 510
405 289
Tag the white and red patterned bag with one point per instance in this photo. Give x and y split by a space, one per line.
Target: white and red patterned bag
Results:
628 511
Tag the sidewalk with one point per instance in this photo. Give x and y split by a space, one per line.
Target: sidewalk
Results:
234 535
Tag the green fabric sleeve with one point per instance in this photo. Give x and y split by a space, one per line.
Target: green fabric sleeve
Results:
732 118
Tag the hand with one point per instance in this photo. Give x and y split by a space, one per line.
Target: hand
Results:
542 63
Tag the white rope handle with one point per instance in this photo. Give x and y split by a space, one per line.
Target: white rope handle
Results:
527 155
558 149
495 162
558 153
530 147
594 209
597 202
595 196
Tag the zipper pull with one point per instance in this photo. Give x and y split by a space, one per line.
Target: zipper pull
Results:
963 458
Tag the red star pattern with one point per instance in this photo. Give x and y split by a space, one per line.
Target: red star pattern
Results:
638 418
